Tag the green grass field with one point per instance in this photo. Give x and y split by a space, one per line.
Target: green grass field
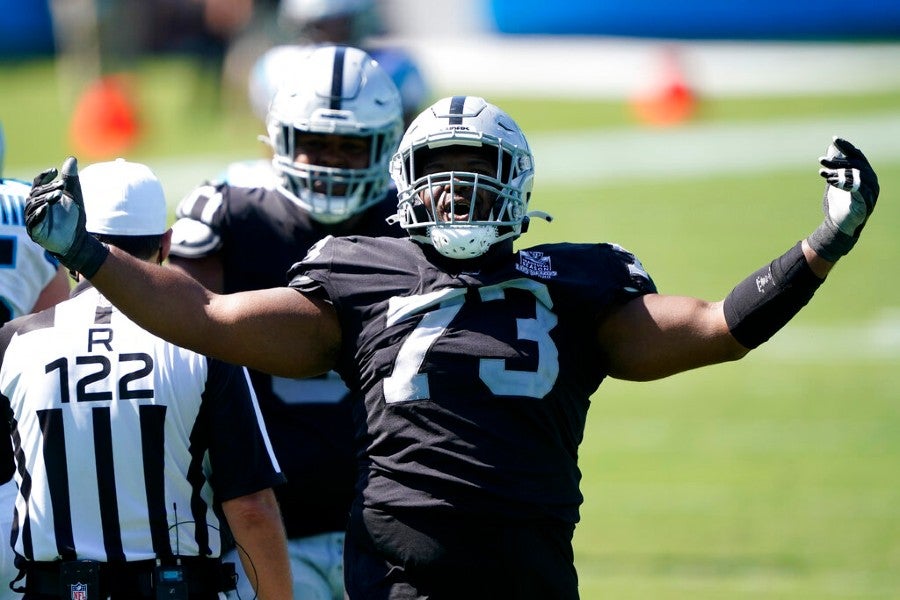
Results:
774 477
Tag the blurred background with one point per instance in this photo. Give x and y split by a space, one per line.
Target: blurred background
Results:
687 132
101 78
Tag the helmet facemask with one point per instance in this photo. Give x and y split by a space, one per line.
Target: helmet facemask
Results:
332 194
335 91
464 174
463 213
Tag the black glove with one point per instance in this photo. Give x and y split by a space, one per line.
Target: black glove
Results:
54 218
849 199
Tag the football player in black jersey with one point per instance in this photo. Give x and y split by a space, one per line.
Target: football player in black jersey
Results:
476 362
332 132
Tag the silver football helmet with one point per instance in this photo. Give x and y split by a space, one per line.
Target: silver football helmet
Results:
276 68
472 123
337 90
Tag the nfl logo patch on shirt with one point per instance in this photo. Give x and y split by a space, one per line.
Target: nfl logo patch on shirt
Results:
536 264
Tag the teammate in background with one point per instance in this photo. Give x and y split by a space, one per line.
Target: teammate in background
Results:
332 138
30 281
476 362
310 23
306 25
30 278
162 437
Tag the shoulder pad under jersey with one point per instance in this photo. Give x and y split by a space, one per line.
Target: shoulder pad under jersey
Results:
193 239
202 203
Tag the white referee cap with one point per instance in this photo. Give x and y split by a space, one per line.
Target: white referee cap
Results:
123 198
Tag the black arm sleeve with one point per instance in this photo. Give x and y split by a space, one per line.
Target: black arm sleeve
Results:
763 303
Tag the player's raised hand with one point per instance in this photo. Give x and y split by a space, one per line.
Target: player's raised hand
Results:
850 196
55 219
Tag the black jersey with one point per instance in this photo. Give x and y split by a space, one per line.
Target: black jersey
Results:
259 233
117 434
476 383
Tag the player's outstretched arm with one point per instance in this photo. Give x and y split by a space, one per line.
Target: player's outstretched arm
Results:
278 330
655 336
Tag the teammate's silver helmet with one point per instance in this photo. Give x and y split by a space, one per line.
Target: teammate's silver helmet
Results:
338 90
276 68
471 122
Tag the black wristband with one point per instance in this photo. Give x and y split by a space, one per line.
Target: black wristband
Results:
763 303
86 255
829 242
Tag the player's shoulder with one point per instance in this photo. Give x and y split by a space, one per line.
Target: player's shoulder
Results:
218 210
198 217
585 264
214 198
201 202
362 248
366 243
358 254
590 252
356 271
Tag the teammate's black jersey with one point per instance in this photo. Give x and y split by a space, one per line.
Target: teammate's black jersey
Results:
476 384
259 233
117 433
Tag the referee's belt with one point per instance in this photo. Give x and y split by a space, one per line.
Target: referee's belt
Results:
204 576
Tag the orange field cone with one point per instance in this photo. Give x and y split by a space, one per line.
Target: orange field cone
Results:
670 103
105 122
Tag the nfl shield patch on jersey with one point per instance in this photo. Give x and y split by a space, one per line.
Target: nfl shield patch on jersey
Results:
536 264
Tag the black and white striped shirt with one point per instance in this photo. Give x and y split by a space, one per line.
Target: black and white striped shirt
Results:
117 434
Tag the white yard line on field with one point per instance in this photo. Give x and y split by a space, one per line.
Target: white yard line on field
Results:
708 148
845 343
608 156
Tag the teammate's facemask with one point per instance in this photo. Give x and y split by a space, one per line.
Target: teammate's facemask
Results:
337 90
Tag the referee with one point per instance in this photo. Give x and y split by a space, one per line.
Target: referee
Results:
128 451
